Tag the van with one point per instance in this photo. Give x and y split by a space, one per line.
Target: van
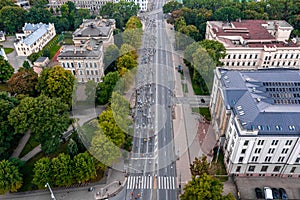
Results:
268 193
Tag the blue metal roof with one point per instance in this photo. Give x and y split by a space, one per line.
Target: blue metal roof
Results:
33 37
250 96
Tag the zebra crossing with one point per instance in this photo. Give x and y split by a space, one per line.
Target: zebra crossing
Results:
166 182
147 182
140 182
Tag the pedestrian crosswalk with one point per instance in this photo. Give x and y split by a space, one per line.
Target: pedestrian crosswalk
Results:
147 182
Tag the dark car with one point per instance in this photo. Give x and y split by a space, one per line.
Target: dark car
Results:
259 193
282 193
275 193
91 189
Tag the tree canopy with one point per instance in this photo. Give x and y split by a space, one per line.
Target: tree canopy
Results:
46 118
6 70
105 88
10 177
23 82
57 82
12 18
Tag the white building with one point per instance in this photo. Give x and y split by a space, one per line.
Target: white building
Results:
34 38
143 4
254 44
99 29
258 113
85 61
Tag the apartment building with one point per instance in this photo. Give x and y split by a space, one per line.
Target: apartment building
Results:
257 113
33 38
256 44
99 29
85 61
143 4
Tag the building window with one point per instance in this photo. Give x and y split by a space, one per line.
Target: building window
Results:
251 168
246 142
95 65
268 158
264 168
256 56
293 169
86 65
96 72
63 64
91 65
274 142
68 65
288 142
280 159
234 56
243 151
238 169
87 72
260 142
276 168
271 150
254 158
257 150
284 150
241 159
79 64
92 72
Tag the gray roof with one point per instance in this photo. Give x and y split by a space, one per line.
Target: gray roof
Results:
92 31
41 59
32 27
264 100
33 37
92 48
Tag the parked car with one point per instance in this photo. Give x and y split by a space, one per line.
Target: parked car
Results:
268 193
91 189
259 193
275 193
282 193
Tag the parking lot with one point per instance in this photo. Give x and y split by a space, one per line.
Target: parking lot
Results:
246 185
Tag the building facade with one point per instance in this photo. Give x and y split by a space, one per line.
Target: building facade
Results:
33 38
256 44
99 29
85 61
258 115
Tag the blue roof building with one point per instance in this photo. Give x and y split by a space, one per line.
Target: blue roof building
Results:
257 113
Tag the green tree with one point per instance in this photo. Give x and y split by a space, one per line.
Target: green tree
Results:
7 137
133 23
133 37
46 118
227 14
111 54
38 14
215 49
128 49
126 62
199 166
190 31
204 187
57 82
171 6
10 177
103 149
72 148
4 3
12 18
105 88
42 172
83 167
90 90
62 170
26 65
6 70
110 128
23 82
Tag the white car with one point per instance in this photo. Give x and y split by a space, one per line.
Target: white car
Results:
268 193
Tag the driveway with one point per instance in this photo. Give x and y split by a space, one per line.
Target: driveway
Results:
15 60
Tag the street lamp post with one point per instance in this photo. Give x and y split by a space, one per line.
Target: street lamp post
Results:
52 195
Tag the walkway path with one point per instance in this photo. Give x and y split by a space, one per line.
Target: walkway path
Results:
21 145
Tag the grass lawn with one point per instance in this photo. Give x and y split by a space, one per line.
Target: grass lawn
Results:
8 50
31 144
219 166
3 87
204 112
53 46
185 88
68 38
